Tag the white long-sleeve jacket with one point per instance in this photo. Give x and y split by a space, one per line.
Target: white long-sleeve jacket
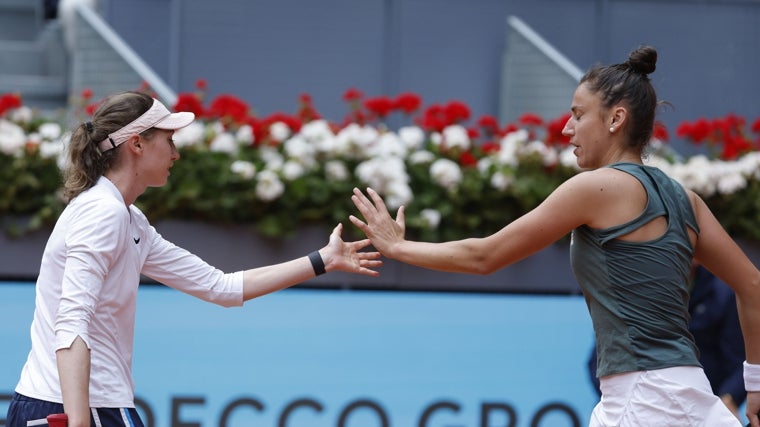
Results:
87 287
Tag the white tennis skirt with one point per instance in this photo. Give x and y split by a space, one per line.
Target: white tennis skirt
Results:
672 397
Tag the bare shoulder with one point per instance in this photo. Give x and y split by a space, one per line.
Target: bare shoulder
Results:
697 204
602 182
603 197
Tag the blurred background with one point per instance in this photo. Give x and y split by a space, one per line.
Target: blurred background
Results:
428 349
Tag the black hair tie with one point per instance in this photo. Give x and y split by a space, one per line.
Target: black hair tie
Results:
88 127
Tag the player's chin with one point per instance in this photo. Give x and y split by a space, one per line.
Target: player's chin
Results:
159 182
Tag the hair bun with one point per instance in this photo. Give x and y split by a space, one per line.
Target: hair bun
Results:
643 60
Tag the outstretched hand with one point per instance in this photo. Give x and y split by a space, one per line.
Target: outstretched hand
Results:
345 256
383 231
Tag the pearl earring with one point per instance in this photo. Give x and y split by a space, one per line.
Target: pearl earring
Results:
612 129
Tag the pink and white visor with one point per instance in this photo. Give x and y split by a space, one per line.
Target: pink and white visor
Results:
157 116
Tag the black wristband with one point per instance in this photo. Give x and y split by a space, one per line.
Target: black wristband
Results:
316 263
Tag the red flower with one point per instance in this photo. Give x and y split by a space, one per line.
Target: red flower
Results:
407 102
9 101
531 119
473 133
554 128
734 146
509 128
489 124
293 122
352 94
433 119
467 159
91 108
456 111
189 102
229 107
660 132
490 147
307 112
380 106
756 125
697 131
201 84
357 116
86 94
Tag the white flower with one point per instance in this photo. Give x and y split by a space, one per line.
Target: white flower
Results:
224 143
279 131
316 130
388 144
731 183
397 193
749 164
189 135
336 170
50 131
436 138
216 127
501 181
455 136
484 165
244 135
446 173
356 141
510 145
269 187
51 149
243 168
299 149
431 217
412 136
292 170
33 138
382 173
12 138
272 158
421 156
694 174
567 158
21 114
549 156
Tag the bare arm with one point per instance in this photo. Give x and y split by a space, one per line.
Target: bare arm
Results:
74 374
566 208
337 256
723 257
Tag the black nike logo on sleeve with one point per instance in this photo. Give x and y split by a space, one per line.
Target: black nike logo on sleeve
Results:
136 239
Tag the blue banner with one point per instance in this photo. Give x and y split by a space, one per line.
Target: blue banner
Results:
330 358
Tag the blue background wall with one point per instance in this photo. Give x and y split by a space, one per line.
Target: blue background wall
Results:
269 52
403 352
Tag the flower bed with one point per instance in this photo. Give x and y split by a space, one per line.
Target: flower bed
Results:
457 176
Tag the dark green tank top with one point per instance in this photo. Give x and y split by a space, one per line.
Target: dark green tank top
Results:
637 292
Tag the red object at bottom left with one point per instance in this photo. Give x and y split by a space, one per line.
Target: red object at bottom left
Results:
57 420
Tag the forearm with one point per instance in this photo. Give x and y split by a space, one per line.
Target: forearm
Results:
459 256
264 280
749 317
74 374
